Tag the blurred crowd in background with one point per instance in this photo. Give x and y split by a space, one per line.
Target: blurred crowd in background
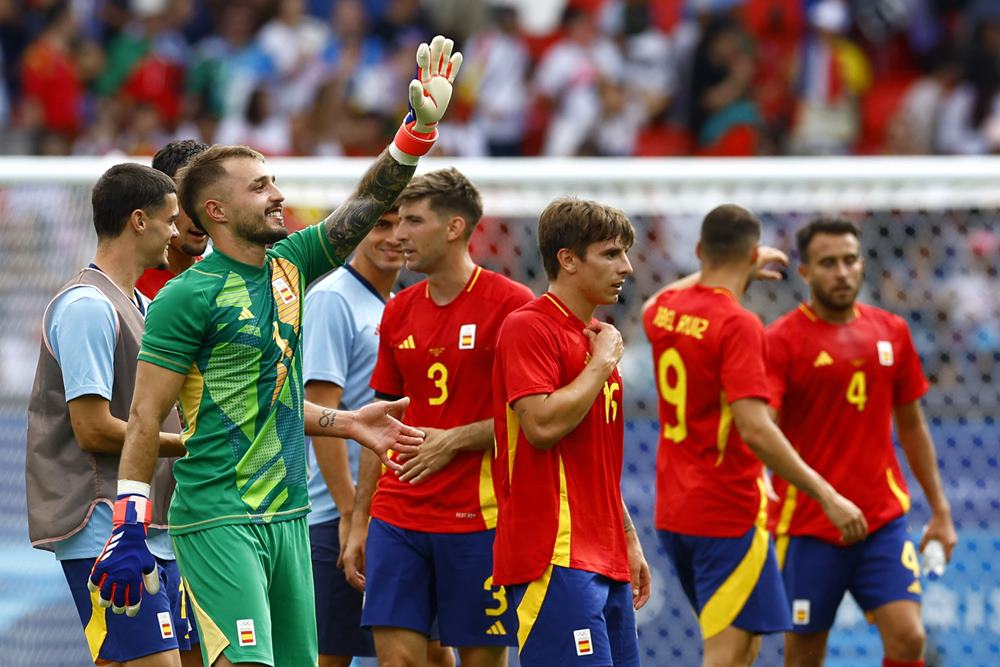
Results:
541 77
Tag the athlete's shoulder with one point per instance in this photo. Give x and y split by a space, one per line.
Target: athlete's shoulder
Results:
503 288
791 322
336 281
876 314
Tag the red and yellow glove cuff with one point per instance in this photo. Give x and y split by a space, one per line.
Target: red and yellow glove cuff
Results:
409 146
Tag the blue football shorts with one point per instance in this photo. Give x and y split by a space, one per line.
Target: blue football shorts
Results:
413 577
574 617
879 569
730 581
164 621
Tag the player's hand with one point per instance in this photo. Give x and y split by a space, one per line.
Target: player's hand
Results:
768 256
642 580
377 427
606 345
125 565
431 91
847 517
940 527
343 535
436 452
352 556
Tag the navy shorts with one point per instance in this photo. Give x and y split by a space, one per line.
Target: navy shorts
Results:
338 605
879 569
574 617
164 621
730 581
414 577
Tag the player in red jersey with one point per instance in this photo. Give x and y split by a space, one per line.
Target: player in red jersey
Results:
565 542
190 243
429 544
711 504
840 372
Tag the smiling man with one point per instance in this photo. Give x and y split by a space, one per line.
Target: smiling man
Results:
224 337
565 544
76 418
191 242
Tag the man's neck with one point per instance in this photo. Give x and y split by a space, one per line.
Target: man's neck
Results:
382 281
118 262
178 261
573 299
830 315
247 252
730 279
447 282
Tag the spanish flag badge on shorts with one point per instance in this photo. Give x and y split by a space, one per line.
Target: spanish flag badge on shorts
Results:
245 631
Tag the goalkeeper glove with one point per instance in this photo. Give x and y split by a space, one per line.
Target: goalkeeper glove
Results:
126 565
430 92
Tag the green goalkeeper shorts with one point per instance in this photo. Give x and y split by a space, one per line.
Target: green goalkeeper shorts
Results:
251 588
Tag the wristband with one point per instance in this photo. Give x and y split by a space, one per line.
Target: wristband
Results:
408 145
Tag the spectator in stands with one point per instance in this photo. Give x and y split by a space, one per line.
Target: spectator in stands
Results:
261 126
568 81
914 128
51 79
834 74
494 80
970 116
724 118
293 41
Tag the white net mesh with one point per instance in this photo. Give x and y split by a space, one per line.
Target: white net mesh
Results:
932 249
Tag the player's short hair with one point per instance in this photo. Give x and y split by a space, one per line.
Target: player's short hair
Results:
831 226
574 224
203 170
448 191
728 233
176 154
122 189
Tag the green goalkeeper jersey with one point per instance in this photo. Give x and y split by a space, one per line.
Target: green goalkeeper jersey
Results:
234 330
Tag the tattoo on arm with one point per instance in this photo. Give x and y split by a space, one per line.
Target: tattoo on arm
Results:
327 418
375 193
629 526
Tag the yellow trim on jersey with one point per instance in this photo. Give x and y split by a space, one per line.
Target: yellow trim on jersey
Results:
727 601
556 304
209 634
560 552
475 277
97 627
725 426
531 606
901 496
487 497
513 431
808 313
784 523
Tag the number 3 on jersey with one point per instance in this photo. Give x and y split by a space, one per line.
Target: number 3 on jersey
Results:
673 393
438 374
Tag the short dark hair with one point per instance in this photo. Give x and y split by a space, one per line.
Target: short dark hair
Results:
728 234
574 224
448 191
831 226
122 189
203 170
176 154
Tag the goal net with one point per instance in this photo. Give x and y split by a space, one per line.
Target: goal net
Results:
931 243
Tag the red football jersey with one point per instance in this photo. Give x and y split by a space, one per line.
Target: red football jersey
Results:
560 506
836 386
708 351
442 358
152 281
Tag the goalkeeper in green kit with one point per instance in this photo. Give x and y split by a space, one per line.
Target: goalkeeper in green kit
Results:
224 338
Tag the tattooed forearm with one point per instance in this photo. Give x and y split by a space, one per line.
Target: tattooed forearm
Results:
327 418
629 526
376 192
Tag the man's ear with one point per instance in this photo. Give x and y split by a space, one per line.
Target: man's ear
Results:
568 261
137 220
215 210
456 228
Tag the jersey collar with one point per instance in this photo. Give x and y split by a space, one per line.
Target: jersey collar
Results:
555 302
364 282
